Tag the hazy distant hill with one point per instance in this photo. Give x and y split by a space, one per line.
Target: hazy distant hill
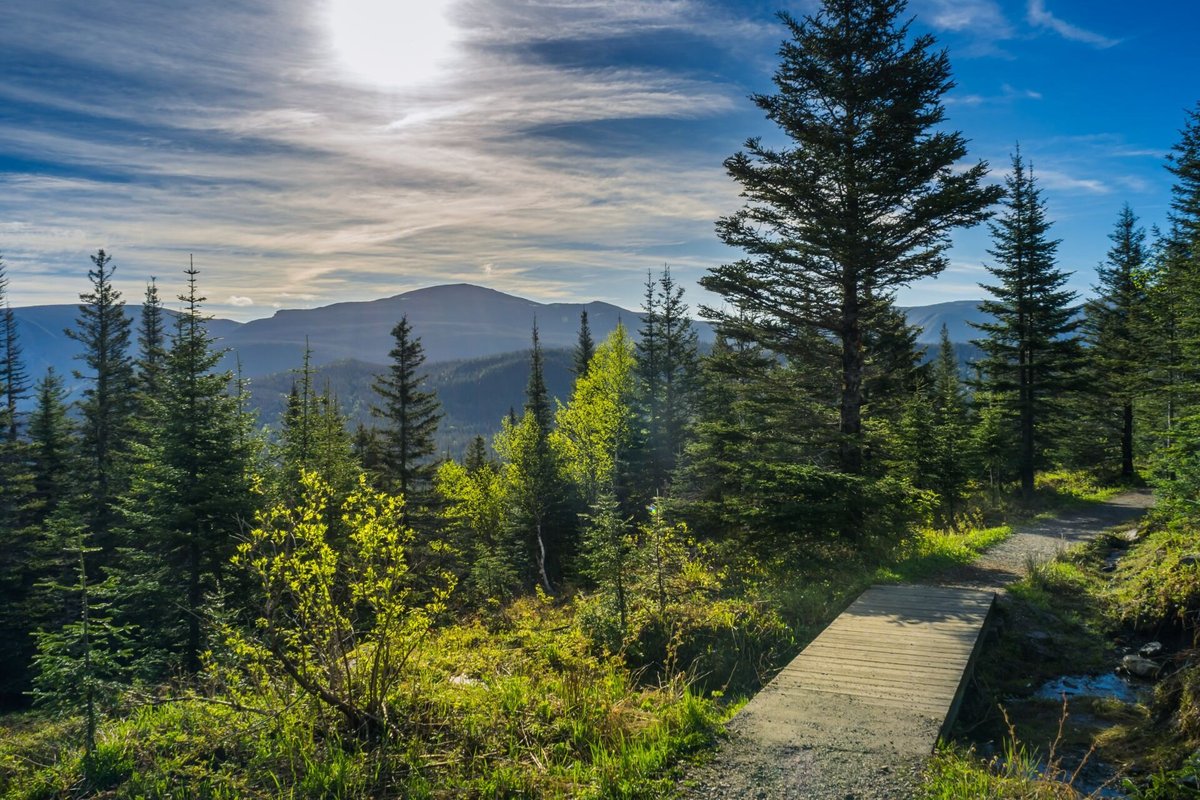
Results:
454 322
44 343
475 393
476 341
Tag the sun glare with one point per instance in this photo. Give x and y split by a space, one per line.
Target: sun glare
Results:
391 43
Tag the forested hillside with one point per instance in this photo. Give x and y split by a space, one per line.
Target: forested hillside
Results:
196 603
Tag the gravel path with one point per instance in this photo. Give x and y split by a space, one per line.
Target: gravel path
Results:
744 766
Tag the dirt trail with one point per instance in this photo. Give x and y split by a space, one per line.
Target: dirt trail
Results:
748 765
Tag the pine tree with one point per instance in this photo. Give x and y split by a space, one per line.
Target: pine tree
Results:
477 455
950 469
51 434
667 371
82 667
108 403
193 489
1115 330
1030 354
13 379
411 418
860 204
585 346
152 339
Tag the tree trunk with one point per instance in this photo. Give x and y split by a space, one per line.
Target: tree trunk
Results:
1127 443
850 444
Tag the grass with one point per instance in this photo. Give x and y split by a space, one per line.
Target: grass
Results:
523 702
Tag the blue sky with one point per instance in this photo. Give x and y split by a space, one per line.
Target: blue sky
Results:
313 151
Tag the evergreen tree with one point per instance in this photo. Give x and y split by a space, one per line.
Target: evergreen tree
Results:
1030 354
411 418
152 338
193 490
13 379
861 204
937 433
585 347
82 667
531 474
667 371
477 455
108 403
51 434
1115 331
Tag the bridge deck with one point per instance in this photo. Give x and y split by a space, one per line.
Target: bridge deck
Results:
885 677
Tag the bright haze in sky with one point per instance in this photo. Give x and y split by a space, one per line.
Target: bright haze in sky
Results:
313 151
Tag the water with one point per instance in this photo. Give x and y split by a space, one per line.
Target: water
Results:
1110 685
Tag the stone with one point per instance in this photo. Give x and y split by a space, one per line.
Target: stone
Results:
1132 535
1150 649
465 680
1140 667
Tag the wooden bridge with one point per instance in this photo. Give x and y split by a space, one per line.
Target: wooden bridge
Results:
885 678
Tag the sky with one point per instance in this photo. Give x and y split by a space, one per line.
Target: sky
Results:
307 152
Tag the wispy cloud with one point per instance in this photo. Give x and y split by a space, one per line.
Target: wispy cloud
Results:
1040 17
242 142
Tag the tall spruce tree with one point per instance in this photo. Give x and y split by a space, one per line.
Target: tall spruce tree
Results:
667 378
193 490
109 401
411 418
152 341
1031 356
14 383
861 203
1116 332
585 348
51 435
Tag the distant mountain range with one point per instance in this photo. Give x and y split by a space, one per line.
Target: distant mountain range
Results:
476 342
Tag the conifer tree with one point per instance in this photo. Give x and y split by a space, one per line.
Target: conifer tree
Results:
477 455
82 666
667 372
1115 330
51 435
1031 356
152 338
531 473
108 403
411 418
13 379
193 489
585 347
860 203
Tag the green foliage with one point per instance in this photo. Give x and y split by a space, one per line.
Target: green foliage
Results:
341 626
594 430
411 416
476 508
1030 355
667 371
83 667
108 402
859 101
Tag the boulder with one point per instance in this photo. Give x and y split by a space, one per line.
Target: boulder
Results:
1140 667
1150 649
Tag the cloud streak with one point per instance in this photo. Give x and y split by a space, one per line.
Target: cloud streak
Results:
1040 17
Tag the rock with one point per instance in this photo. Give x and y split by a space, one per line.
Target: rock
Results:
1140 667
465 680
1150 649
1132 535
1039 636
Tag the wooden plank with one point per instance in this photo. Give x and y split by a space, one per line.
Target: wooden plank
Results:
901 653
